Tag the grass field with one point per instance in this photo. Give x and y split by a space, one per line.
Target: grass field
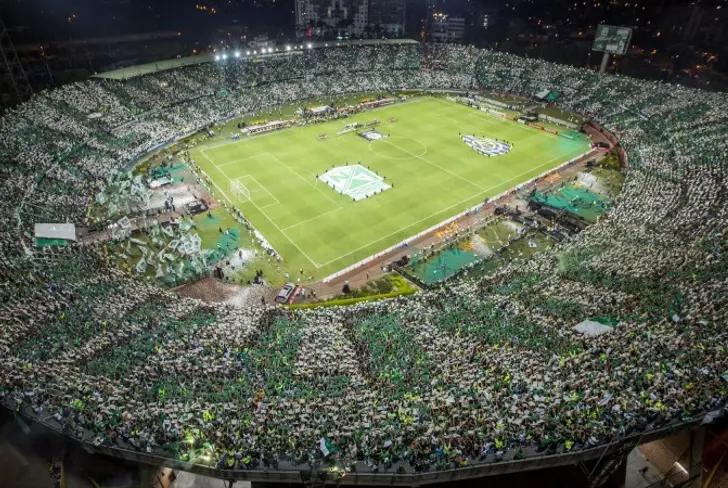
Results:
433 175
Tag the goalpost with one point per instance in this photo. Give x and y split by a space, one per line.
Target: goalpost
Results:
239 190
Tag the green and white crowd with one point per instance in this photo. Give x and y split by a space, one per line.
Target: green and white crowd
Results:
480 370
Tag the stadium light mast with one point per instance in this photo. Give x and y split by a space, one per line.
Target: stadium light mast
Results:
12 73
610 40
605 63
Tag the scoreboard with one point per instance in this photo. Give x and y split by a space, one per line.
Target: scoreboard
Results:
612 39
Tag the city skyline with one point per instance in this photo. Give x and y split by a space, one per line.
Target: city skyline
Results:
338 18
59 42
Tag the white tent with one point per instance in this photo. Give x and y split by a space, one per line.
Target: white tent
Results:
591 328
55 231
543 93
323 109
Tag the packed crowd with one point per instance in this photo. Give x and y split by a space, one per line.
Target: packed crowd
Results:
476 371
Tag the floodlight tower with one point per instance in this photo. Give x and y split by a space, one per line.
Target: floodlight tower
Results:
14 83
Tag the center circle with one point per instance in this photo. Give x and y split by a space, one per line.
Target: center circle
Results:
396 147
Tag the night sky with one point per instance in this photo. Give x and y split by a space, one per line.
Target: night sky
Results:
47 20
557 30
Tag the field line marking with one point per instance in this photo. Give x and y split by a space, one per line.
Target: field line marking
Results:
474 195
202 152
235 161
278 202
244 139
305 180
490 116
314 263
422 158
307 221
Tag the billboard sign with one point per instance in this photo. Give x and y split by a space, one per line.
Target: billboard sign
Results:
612 39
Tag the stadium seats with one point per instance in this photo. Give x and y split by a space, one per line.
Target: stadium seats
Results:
479 370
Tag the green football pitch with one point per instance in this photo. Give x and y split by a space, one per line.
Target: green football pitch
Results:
292 185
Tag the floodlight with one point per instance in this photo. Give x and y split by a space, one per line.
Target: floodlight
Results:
309 45
224 56
217 57
237 54
288 48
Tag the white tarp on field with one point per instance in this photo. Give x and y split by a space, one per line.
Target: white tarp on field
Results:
354 181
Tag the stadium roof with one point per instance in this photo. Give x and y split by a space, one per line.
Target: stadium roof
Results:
155 67
169 64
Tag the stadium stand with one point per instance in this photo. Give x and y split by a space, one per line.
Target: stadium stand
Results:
479 371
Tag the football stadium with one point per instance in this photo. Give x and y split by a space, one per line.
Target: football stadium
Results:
365 262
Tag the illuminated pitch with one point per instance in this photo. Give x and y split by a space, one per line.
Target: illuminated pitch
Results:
317 217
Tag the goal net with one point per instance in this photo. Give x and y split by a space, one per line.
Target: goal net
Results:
239 190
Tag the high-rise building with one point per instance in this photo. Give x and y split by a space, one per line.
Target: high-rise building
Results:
320 18
388 16
445 28
357 18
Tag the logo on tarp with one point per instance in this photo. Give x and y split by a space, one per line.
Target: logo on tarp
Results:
487 147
